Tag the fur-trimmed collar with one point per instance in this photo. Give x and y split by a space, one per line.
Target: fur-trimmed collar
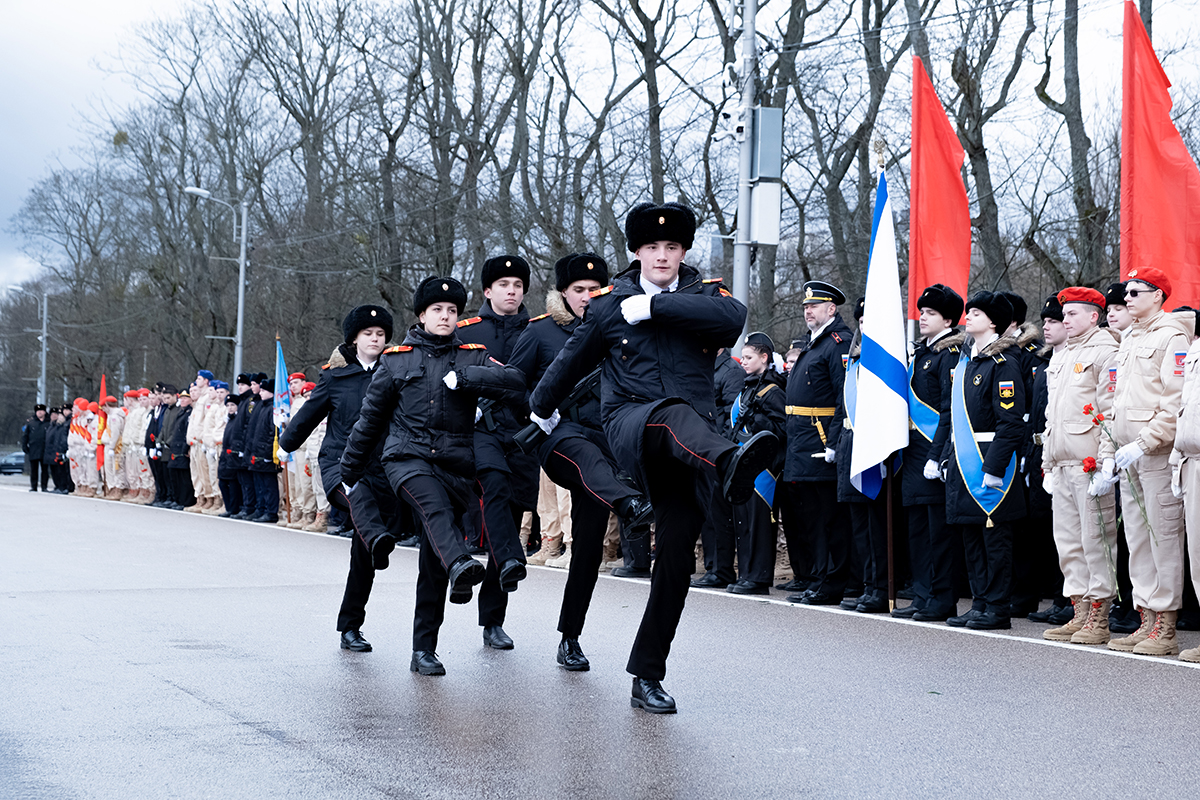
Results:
1046 351
557 308
954 339
999 346
338 359
1026 334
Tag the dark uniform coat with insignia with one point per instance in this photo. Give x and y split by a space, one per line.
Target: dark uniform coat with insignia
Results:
666 359
816 381
33 437
1039 501
180 458
931 383
260 437
430 428
995 399
728 381
235 431
338 397
763 405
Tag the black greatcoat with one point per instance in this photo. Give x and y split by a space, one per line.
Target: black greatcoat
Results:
728 381
179 447
56 442
338 396
1039 501
235 431
430 428
816 381
260 437
33 438
648 365
931 383
990 413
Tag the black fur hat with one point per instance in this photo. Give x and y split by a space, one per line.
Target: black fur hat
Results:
268 385
1114 295
258 378
366 317
944 300
579 267
1052 309
1020 309
997 307
670 222
436 289
504 267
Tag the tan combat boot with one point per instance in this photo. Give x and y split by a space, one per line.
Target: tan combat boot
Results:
320 524
1065 633
548 550
563 561
1126 643
1192 654
1161 641
1095 629
216 507
300 522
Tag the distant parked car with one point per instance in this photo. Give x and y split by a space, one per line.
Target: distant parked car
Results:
12 464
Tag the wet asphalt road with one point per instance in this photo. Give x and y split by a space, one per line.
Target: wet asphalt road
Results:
149 653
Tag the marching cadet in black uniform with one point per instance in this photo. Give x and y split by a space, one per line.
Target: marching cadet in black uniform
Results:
814 425
657 331
987 434
933 544
576 455
760 407
507 476
423 398
373 506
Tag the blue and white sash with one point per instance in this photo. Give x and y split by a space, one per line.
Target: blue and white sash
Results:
764 484
966 449
925 417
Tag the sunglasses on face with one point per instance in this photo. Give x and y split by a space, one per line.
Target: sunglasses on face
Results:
1136 292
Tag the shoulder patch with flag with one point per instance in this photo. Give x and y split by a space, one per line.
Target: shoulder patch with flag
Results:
1006 389
1179 359
1112 379
845 360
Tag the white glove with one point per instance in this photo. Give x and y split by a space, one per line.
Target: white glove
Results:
1022 467
992 481
1176 482
1127 455
830 455
1108 470
931 471
636 308
451 380
348 489
1100 486
547 425
1048 483
478 413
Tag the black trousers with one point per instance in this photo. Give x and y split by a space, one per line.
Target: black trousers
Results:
61 473
498 517
828 536
181 483
266 493
231 494
1036 573
989 565
718 537
791 517
589 472
36 464
932 545
681 454
370 496
868 521
245 479
748 528
635 546
162 488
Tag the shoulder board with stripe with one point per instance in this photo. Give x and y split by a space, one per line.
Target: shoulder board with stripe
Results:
837 337
599 292
539 316
999 359
400 348
766 389
462 323
471 346
324 366
712 280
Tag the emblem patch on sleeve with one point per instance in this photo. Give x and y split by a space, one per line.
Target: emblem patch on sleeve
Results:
1179 357
845 360
1112 379
1007 389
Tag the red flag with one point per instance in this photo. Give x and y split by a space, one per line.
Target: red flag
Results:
101 424
1160 185
939 223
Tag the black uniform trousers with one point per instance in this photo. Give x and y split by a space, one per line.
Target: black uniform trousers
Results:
266 492
1036 573
374 510
718 537
36 464
828 535
231 494
497 518
791 518
581 466
61 473
181 486
162 488
869 523
245 479
989 565
439 511
932 543
681 453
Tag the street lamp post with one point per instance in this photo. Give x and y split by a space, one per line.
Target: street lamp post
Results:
204 194
41 387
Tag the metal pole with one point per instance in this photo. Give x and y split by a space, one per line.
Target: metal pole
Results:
241 312
741 242
45 343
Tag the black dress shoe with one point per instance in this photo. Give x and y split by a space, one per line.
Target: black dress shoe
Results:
851 603
635 511
873 605
748 587
353 640
794 585
630 572
649 696
908 612
1064 614
989 621
225 515
1023 609
409 541
495 638
269 519
570 656
854 591
906 593
512 572
822 599
931 614
465 573
426 662
799 597
961 620
747 462
381 551
709 581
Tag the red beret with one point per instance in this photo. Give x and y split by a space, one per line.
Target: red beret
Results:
297 376
133 393
110 399
93 407
143 392
1153 276
1081 294
308 386
81 403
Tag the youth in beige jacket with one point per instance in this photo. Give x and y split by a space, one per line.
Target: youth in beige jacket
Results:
1150 381
1084 373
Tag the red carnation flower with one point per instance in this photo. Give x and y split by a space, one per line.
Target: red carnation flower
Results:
1089 465
1099 418
1088 409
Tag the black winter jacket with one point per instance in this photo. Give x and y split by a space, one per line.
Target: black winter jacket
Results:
931 384
728 381
666 359
1039 502
33 438
816 381
235 431
260 437
338 398
179 447
230 459
166 432
429 427
56 442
